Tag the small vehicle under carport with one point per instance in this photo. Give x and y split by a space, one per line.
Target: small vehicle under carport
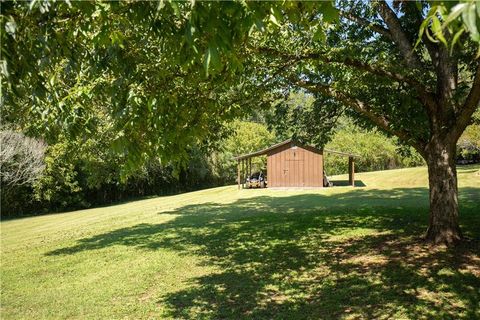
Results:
257 180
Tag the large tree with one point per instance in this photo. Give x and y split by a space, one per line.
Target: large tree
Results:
424 94
169 73
383 73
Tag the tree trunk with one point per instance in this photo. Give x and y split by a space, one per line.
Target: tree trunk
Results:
442 177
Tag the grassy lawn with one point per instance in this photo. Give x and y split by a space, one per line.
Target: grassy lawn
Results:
222 253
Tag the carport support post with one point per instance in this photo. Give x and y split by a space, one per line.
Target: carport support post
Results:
351 171
238 173
243 172
249 167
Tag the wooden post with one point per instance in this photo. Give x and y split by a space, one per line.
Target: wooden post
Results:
243 173
238 173
250 167
351 171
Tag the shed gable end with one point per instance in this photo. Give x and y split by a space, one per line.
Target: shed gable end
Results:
291 165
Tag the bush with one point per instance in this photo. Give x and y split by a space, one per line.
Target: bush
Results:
375 151
21 158
59 188
21 162
468 146
246 137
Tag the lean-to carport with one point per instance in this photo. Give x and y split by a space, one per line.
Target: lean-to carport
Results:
290 164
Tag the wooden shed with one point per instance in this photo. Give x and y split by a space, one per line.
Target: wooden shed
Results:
290 164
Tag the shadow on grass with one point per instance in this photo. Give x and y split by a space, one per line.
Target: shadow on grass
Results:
312 256
345 183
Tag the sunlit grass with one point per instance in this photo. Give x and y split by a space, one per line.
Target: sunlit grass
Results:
223 253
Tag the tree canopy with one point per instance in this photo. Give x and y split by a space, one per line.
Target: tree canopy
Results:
167 73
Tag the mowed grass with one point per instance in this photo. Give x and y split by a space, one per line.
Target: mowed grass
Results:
223 253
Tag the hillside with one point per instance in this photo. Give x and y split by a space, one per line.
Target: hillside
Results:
225 253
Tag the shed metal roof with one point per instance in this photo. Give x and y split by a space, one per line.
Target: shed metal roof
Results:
342 153
266 150
263 151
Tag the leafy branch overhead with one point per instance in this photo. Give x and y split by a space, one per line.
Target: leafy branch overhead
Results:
451 18
127 55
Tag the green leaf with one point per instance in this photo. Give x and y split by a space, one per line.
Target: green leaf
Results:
32 4
330 13
274 20
423 27
319 35
189 31
469 17
176 8
11 27
206 60
438 30
4 68
151 103
52 80
455 13
116 38
455 39
277 13
161 5
215 57
260 25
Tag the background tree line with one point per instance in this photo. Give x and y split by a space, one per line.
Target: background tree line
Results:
81 172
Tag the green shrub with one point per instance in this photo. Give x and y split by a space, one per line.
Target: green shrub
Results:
58 188
21 163
468 146
246 137
375 151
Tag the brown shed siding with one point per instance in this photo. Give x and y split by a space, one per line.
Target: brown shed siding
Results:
295 166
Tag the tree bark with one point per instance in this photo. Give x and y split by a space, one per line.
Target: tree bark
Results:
442 176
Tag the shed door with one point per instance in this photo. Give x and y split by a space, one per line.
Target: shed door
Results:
295 176
284 173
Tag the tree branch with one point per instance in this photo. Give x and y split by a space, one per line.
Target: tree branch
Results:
446 70
364 22
432 47
468 108
426 97
398 35
361 108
